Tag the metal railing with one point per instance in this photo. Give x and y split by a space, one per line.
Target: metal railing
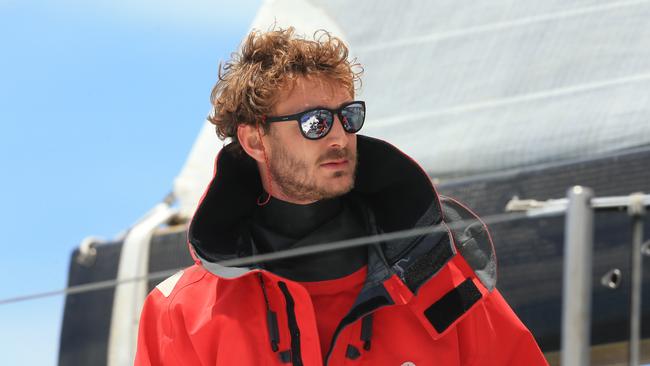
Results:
579 207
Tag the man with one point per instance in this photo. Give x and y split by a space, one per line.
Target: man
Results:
296 174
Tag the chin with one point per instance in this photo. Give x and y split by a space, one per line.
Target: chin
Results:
341 187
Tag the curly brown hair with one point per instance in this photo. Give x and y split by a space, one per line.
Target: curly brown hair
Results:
249 83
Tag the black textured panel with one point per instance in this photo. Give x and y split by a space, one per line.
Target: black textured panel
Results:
453 305
530 251
614 175
167 252
87 316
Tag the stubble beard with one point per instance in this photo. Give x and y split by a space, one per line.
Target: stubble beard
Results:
291 175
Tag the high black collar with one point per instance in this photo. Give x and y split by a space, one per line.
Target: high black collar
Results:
294 220
391 184
333 221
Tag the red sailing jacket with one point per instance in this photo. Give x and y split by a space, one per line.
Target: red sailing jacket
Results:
427 300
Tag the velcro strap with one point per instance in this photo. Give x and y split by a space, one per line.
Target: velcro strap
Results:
428 264
452 305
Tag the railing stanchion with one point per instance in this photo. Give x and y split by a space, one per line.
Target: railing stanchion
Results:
636 210
576 297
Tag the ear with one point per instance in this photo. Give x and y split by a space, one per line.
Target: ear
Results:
249 139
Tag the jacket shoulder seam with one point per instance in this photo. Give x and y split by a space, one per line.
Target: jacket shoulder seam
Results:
172 297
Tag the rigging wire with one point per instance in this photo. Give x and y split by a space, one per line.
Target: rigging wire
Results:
284 254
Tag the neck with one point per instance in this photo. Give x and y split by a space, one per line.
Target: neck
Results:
269 185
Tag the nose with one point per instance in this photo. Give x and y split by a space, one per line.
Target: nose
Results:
337 136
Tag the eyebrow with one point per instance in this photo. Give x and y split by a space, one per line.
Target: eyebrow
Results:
317 106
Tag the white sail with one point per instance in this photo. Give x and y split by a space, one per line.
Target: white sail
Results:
476 87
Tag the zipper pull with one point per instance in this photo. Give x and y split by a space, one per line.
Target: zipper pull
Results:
274 333
366 331
271 318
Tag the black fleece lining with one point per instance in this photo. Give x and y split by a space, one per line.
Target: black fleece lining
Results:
453 305
428 264
397 190
393 186
230 198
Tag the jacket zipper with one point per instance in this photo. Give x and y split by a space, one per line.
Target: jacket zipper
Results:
366 335
271 318
296 357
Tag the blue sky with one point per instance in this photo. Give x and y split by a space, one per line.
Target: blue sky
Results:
100 103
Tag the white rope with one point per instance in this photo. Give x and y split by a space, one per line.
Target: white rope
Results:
289 253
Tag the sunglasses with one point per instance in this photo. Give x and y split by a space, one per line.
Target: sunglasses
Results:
316 123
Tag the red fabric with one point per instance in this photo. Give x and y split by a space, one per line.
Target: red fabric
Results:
331 300
207 320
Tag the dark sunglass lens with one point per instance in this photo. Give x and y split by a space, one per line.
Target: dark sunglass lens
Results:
353 117
315 124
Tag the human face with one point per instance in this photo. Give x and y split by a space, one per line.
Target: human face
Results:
304 171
